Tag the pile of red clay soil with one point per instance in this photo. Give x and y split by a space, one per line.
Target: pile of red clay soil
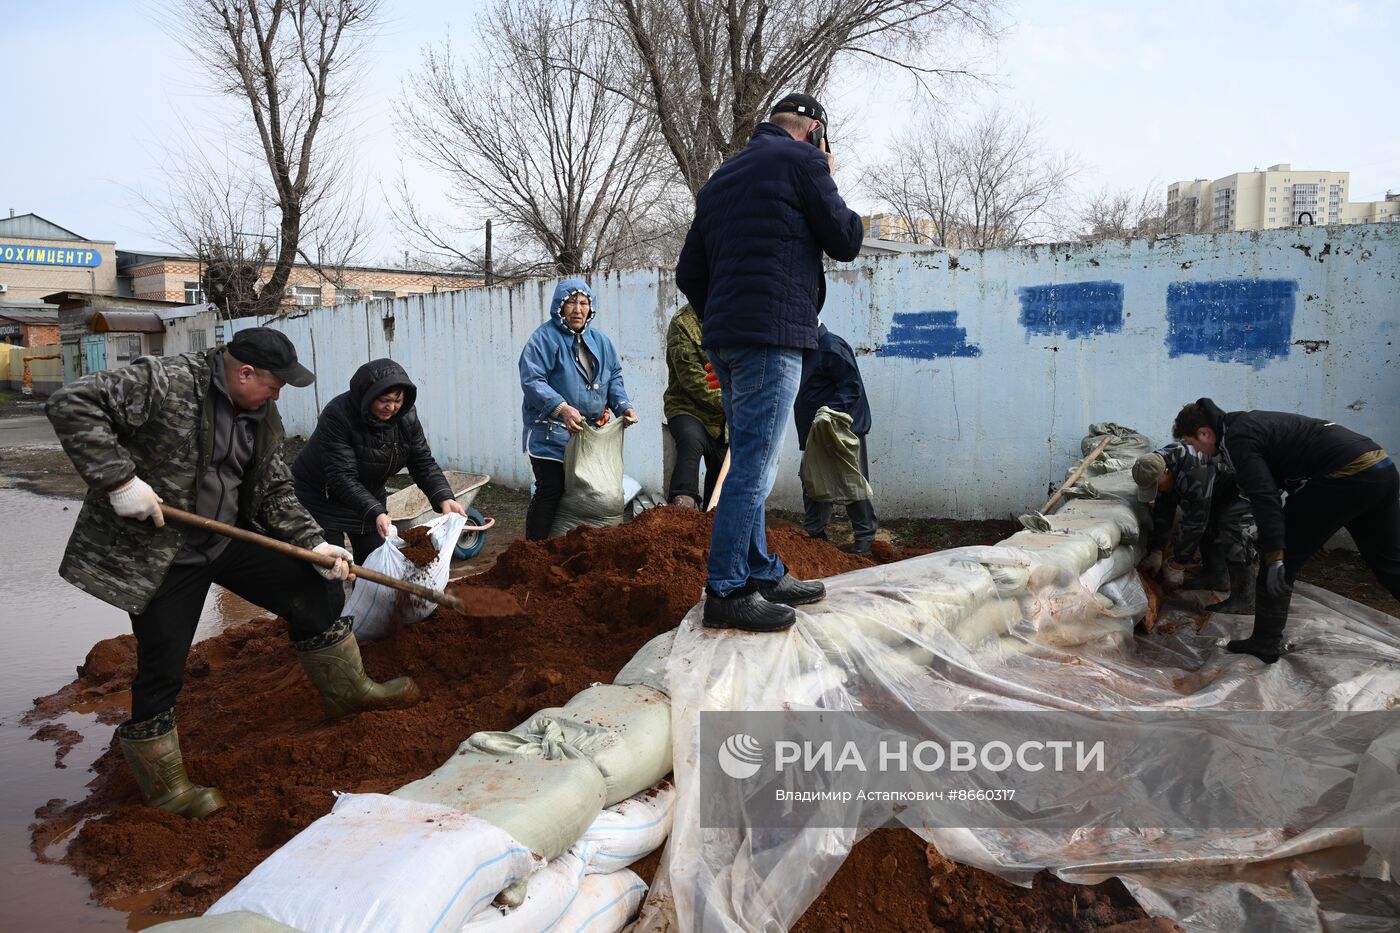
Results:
547 620
893 880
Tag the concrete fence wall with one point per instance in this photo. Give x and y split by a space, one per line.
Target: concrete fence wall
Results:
984 368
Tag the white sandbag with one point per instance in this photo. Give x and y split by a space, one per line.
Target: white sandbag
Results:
376 608
1115 565
377 864
1076 551
624 731
592 479
1121 513
648 665
1106 534
549 895
546 804
630 830
605 903
240 921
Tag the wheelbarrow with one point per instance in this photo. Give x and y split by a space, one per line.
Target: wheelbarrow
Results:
410 507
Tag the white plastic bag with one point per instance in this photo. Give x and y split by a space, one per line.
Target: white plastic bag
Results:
630 830
379 864
376 608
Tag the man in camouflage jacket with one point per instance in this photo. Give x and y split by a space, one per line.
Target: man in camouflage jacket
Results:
1215 521
200 432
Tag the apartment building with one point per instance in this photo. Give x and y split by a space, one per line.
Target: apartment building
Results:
1280 196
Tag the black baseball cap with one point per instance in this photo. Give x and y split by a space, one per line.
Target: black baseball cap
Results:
270 349
804 104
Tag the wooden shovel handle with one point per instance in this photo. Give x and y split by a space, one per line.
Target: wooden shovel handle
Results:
1083 465
192 520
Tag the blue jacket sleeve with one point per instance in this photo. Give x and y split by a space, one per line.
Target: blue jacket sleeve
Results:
693 270
535 364
838 228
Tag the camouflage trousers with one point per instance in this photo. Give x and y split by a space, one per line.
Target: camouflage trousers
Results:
1231 532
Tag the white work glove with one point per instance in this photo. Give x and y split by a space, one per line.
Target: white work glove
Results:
341 570
1173 575
1152 563
136 499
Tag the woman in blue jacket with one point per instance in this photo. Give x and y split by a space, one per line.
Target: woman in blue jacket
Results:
570 374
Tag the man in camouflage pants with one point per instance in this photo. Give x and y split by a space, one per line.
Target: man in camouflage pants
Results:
1214 520
199 431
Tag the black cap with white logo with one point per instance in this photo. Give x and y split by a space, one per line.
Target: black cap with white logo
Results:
804 104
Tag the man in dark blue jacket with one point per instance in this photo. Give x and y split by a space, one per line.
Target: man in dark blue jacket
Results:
1334 478
752 269
831 379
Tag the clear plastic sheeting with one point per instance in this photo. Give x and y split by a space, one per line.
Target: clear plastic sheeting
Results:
1042 622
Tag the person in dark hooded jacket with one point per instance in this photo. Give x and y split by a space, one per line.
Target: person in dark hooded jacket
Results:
363 437
1335 478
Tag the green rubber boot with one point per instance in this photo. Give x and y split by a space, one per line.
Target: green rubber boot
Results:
332 661
152 750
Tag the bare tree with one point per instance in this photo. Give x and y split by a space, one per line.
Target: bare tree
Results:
571 172
712 69
989 182
288 64
1116 214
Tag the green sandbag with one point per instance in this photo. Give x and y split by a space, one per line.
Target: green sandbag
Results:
592 479
546 804
831 460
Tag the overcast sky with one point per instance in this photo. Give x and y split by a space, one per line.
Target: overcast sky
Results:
1136 91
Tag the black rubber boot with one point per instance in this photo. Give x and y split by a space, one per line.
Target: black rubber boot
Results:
1265 642
1213 575
748 611
791 591
1241 598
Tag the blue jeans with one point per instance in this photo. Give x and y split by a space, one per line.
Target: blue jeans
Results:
759 385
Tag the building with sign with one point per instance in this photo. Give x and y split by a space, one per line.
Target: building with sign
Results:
38 258
175 277
106 331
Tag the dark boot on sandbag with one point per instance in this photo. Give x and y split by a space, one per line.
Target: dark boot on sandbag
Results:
332 661
1214 573
152 751
1265 642
1241 598
747 611
790 591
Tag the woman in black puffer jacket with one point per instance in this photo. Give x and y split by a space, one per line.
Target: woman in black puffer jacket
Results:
363 437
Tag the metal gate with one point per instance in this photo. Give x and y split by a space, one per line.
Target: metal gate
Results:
94 353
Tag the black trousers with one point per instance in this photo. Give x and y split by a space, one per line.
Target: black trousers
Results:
362 543
164 632
1366 504
544 502
693 444
864 524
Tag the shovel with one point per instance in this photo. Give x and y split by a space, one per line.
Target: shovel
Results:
180 516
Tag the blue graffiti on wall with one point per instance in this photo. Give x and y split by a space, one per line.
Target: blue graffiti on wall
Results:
927 335
1076 309
1238 321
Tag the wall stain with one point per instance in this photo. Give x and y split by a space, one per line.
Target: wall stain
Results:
1312 346
1304 249
1231 321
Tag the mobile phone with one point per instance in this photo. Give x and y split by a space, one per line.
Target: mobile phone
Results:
817 135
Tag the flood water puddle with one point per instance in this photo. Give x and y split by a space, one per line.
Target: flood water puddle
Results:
47 627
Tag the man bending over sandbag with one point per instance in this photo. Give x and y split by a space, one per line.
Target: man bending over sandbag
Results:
1215 520
199 431
1334 478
